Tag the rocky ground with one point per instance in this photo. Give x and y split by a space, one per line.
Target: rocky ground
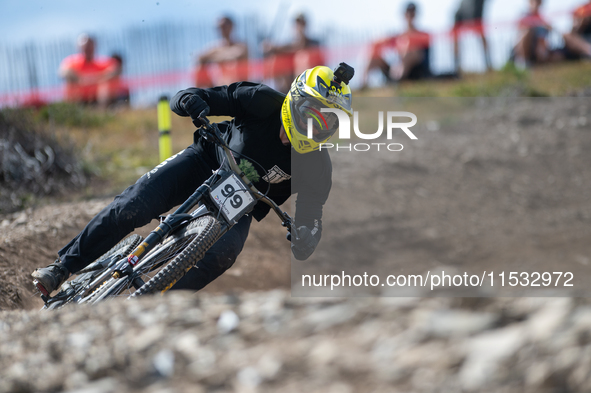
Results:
502 185
271 342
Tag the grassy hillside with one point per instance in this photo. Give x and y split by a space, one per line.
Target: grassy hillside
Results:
549 80
115 147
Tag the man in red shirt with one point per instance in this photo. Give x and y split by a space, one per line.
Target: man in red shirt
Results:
413 50
229 55
84 73
284 62
114 91
578 41
532 46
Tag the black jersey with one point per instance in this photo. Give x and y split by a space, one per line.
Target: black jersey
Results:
254 133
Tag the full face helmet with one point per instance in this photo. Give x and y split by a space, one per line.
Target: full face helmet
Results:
312 90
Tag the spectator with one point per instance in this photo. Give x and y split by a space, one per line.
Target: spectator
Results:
84 73
469 17
287 61
413 50
578 41
229 56
114 91
532 46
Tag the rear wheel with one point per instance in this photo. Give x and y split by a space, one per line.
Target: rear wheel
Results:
162 267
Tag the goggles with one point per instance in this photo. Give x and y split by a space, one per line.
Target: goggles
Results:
309 111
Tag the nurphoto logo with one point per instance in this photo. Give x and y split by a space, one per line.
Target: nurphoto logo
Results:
345 129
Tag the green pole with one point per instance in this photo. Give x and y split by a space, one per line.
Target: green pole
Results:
164 141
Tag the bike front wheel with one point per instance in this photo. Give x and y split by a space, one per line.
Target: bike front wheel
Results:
167 263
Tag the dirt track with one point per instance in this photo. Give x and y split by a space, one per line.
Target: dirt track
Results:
32 238
489 184
503 186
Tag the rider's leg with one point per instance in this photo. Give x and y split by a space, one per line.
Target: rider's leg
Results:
219 258
158 191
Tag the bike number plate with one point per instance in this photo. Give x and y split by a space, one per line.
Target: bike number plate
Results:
232 197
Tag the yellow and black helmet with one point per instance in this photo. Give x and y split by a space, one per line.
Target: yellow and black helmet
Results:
312 90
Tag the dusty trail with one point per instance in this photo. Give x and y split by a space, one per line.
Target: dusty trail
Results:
509 189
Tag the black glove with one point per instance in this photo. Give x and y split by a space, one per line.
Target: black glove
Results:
303 247
194 106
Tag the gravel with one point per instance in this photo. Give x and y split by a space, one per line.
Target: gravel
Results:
270 341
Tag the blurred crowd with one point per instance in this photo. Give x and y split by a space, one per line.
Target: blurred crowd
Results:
96 80
93 80
532 46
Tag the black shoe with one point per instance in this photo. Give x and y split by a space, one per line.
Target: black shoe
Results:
50 278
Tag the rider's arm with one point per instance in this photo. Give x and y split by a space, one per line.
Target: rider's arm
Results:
236 99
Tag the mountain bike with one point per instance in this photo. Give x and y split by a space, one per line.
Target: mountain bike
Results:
136 266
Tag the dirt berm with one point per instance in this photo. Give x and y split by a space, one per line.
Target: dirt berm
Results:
501 185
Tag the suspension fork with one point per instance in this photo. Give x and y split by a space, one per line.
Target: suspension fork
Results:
164 229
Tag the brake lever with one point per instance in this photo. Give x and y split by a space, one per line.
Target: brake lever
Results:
210 132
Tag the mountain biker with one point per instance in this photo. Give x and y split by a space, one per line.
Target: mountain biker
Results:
268 129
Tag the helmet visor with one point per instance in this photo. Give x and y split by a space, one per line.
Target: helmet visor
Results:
308 116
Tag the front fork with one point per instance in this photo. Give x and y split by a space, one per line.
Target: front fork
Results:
171 222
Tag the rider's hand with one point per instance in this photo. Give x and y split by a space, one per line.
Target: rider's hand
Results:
303 247
194 106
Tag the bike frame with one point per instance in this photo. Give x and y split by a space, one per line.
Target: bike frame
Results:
120 266
212 134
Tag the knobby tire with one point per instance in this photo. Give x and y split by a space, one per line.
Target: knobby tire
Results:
179 266
174 257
